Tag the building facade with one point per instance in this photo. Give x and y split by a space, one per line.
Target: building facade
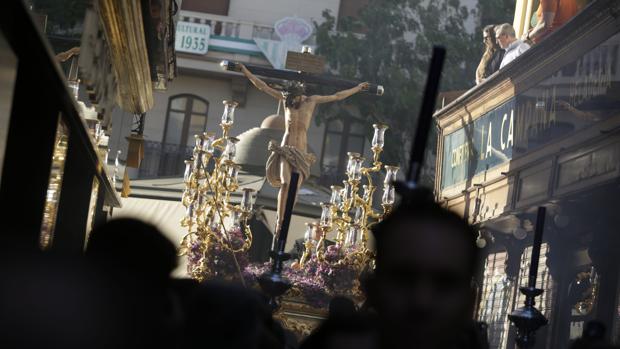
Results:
543 132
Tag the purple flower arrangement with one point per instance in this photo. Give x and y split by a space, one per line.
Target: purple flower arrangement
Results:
315 283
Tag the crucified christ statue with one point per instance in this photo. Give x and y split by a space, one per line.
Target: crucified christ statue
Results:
291 155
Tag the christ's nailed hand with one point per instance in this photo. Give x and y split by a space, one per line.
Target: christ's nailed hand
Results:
364 86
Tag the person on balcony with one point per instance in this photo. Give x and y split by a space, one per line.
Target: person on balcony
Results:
492 56
550 15
507 40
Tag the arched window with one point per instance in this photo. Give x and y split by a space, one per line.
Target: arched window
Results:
341 136
186 116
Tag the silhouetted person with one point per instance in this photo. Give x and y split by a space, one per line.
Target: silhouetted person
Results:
343 328
422 288
52 301
593 337
141 258
228 316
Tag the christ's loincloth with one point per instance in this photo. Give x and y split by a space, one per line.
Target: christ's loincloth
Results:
300 162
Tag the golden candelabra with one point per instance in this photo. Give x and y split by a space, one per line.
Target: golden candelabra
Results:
211 176
350 212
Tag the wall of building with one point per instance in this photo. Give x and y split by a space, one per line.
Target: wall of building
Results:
258 105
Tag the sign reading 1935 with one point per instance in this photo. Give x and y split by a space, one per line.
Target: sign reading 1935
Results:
192 38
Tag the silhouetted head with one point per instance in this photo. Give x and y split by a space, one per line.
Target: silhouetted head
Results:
355 331
137 247
293 92
341 307
426 258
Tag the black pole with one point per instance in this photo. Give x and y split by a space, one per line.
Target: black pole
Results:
272 283
426 115
409 190
540 226
310 78
528 319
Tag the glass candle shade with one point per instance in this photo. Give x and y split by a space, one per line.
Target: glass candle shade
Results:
188 170
359 215
390 174
233 172
189 212
198 142
236 217
336 198
326 215
357 168
353 237
207 142
367 193
388 195
198 161
309 234
346 192
228 117
351 163
246 200
231 149
378 139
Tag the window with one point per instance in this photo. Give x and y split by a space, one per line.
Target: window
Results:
216 7
341 136
186 117
496 298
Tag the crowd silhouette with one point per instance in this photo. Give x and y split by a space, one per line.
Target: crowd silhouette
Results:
120 294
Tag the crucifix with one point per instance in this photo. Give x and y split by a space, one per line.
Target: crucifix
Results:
291 154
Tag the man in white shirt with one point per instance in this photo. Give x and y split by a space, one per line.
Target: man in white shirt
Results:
507 40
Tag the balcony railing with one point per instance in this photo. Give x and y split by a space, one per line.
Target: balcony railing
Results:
163 160
233 28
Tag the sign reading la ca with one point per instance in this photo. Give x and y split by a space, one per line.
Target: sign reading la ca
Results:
483 144
192 38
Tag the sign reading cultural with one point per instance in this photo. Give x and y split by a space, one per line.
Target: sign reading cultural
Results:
192 38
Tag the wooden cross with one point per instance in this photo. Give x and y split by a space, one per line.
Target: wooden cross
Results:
307 69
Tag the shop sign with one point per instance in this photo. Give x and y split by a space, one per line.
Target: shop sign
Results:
192 38
483 144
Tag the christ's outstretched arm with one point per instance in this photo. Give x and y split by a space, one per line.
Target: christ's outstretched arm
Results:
260 84
340 95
